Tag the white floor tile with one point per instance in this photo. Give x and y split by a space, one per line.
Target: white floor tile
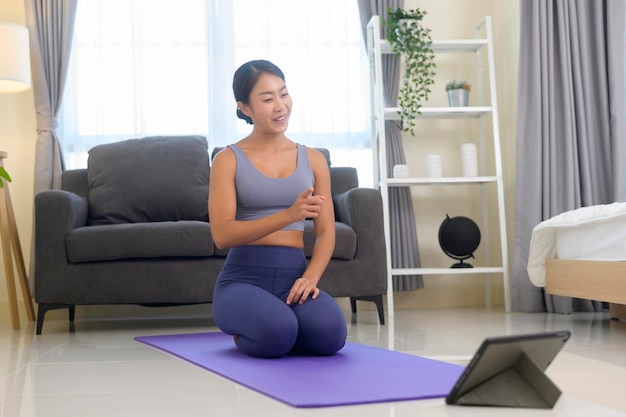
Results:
98 369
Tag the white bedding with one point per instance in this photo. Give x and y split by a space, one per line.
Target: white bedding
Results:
588 233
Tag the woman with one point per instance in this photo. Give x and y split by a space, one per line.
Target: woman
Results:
262 189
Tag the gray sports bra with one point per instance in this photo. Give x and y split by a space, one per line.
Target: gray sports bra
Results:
259 195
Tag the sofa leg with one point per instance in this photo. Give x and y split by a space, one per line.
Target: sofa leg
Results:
43 308
376 299
353 305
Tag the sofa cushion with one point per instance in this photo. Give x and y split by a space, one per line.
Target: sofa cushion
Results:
151 179
139 240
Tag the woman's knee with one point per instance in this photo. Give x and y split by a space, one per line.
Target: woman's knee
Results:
322 327
269 339
262 324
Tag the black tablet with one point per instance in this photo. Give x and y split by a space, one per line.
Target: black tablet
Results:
508 371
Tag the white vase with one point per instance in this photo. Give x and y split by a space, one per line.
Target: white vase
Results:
434 167
469 160
401 171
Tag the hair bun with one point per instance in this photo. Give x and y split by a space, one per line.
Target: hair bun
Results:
242 116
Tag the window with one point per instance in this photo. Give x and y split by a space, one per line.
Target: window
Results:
161 67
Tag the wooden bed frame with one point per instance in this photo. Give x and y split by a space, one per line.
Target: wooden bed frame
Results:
593 280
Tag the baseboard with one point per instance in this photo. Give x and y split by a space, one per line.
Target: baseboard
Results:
5 311
130 311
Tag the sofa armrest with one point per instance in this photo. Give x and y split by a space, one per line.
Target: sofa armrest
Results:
56 213
362 209
365 276
343 179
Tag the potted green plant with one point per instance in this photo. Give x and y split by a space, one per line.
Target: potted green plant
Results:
458 93
411 40
4 174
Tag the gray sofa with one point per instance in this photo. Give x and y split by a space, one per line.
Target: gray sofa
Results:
133 228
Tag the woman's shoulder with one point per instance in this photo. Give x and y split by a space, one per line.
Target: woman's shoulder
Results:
316 156
312 152
317 160
225 156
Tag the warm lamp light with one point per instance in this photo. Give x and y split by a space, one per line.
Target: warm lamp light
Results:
14 58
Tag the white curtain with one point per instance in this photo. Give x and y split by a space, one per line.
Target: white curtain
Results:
158 67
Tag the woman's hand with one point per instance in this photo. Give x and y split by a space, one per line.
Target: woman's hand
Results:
306 206
301 290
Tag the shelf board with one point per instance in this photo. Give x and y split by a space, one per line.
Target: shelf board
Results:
401 182
445 46
391 113
447 271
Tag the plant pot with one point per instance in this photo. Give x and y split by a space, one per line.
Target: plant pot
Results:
458 97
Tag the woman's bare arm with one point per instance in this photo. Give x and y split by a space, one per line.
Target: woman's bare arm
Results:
324 233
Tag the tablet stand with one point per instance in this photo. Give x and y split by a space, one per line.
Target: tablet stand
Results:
523 384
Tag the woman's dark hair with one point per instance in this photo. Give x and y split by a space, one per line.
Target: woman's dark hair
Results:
245 79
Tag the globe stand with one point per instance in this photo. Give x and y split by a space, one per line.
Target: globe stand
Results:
462 264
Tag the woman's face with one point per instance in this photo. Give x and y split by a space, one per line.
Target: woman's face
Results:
269 105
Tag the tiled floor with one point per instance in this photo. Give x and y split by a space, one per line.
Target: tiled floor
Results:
99 370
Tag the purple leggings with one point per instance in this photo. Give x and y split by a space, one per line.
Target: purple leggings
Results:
249 303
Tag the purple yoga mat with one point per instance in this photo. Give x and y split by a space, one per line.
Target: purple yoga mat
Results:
357 374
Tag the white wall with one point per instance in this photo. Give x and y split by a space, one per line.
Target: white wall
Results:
17 138
447 19
456 19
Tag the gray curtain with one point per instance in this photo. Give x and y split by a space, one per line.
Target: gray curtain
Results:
404 248
571 149
51 25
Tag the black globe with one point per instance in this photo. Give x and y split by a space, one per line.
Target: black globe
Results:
459 237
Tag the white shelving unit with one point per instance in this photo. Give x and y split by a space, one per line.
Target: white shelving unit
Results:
483 42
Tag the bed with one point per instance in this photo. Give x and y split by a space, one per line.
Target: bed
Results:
582 253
